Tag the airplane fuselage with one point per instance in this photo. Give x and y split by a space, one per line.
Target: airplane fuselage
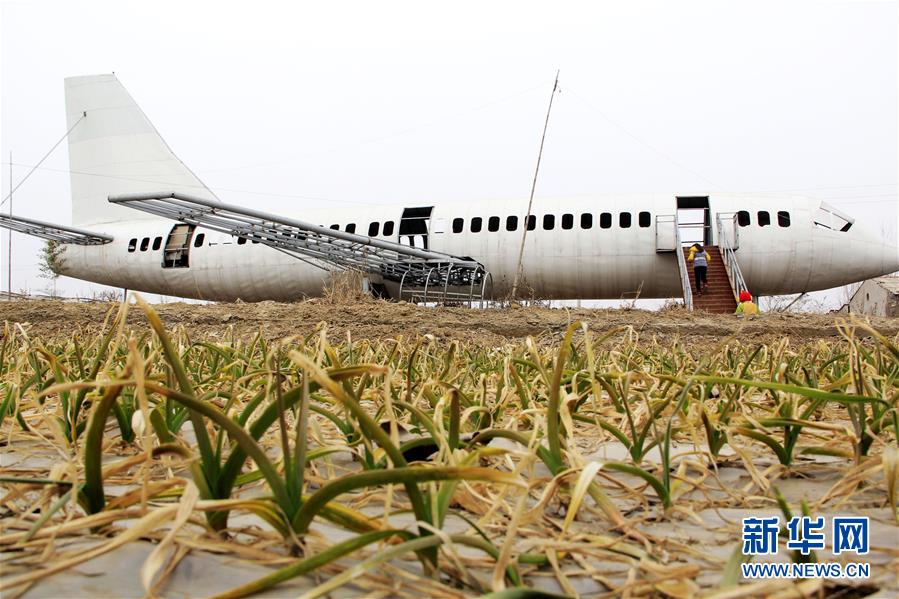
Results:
604 247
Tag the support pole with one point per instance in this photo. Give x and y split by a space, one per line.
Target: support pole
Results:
524 233
796 299
9 238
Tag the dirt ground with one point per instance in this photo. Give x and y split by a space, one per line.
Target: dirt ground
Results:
379 319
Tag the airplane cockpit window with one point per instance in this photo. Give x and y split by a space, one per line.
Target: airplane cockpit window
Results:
764 219
458 225
743 218
132 244
645 219
388 228
511 223
605 220
532 222
549 222
198 241
335 227
373 229
783 218
567 221
586 220
144 244
624 220
351 228
493 224
476 224
829 217
157 243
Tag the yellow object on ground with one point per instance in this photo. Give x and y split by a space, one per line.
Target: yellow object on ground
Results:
747 308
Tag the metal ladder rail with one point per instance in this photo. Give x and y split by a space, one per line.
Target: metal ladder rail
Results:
731 266
682 267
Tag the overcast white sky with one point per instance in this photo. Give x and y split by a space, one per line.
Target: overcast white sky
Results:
282 105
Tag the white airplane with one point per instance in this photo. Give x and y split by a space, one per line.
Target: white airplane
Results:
143 221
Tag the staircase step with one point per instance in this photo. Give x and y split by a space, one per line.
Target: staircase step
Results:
718 296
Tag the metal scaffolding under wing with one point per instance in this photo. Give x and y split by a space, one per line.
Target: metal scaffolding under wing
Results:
412 268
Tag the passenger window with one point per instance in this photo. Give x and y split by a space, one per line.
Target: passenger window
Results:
144 244
605 220
458 225
157 242
764 219
624 220
351 228
374 229
532 222
511 223
644 219
549 222
783 218
241 240
493 224
586 221
743 218
132 244
567 221
388 228
476 223
335 227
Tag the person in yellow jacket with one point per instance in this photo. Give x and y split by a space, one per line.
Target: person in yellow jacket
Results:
700 259
746 307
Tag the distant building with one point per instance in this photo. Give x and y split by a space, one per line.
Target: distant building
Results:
876 297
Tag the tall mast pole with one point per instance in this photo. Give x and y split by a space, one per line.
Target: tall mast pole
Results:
524 233
9 238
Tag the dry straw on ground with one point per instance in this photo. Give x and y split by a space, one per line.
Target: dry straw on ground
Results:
595 462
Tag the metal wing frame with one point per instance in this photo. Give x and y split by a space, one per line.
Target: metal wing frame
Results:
412 268
53 232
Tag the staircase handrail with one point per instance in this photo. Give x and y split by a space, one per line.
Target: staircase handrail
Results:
682 267
731 266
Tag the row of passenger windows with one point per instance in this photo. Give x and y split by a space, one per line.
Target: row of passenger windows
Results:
157 242
494 223
548 222
763 218
374 229
476 224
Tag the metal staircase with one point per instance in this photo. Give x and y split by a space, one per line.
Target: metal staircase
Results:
718 297
725 278
416 274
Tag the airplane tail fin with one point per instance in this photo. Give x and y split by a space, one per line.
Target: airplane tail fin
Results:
114 149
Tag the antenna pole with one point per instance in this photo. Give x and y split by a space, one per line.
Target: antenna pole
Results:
9 238
524 233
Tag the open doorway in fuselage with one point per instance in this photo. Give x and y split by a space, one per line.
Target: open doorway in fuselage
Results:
177 247
694 220
414 227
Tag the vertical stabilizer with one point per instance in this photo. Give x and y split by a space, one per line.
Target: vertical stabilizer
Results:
116 150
